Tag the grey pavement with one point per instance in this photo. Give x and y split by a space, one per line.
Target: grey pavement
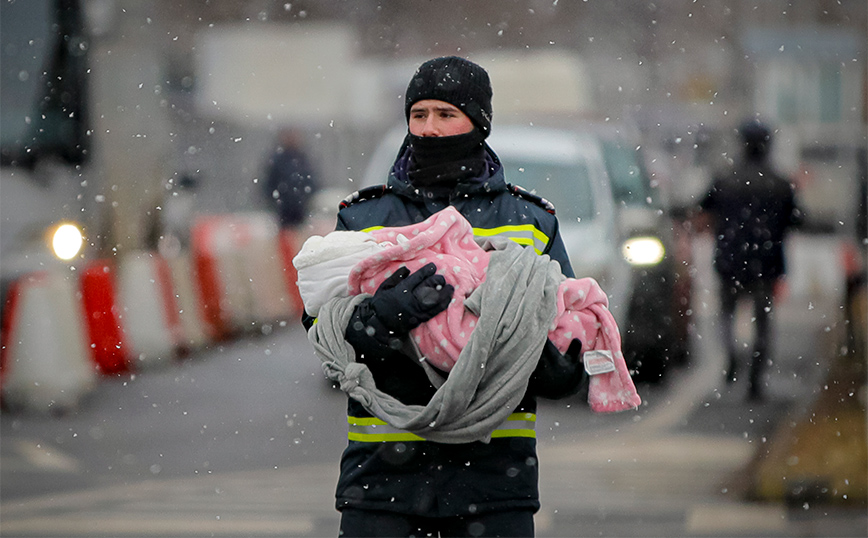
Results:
670 470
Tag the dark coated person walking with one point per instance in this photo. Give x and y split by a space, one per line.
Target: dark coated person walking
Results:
752 207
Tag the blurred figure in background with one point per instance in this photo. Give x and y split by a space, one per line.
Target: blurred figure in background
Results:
290 182
751 207
178 213
168 228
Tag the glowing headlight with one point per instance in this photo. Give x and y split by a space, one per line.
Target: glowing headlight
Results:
643 251
66 241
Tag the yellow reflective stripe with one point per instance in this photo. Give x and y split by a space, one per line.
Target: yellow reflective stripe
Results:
374 430
365 421
509 229
522 432
523 234
383 437
517 425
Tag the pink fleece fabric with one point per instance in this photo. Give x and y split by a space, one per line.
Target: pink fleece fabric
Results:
446 238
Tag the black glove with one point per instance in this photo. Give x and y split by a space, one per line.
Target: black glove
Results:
558 375
574 351
404 301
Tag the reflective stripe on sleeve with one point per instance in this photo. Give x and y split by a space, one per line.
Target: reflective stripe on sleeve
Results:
374 430
524 234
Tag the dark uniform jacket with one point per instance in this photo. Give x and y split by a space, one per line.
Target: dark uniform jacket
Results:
387 469
753 207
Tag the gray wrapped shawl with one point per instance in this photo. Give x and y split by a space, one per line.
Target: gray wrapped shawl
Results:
516 306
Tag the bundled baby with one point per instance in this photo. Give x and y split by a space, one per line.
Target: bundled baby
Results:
345 263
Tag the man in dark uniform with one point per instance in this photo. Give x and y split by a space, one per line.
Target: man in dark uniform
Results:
752 207
290 183
392 482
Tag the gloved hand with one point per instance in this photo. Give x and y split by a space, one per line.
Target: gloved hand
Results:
574 351
558 375
404 301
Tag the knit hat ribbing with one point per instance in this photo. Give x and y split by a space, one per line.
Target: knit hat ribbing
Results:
456 81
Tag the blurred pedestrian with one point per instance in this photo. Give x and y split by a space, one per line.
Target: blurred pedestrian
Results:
412 478
169 226
290 181
752 207
179 211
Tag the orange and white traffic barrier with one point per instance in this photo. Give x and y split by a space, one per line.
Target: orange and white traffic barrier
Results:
220 275
46 363
240 272
289 243
149 312
270 299
194 333
102 314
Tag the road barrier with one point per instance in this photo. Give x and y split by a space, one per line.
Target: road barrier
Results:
289 244
264 270
241 270
149 312
103 318
142 311
219 273
46 361
194 333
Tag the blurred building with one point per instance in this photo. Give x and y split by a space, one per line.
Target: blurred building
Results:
177 87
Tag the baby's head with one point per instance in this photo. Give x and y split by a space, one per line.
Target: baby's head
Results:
324 264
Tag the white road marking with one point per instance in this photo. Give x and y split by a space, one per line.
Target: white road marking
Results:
102 524
45 457
736 518
284 502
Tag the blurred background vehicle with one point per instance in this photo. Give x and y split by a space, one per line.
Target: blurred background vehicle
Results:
566 168
40 243
614 222
45 145
655 243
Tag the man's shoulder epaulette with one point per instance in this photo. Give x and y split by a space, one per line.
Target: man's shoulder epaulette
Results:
368 193
530 197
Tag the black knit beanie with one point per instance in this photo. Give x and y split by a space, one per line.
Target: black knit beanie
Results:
456 81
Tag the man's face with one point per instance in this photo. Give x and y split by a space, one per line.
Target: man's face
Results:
431 117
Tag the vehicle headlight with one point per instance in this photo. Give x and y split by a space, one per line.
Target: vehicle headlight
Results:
643 251
66 241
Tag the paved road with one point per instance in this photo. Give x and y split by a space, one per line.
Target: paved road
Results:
243 440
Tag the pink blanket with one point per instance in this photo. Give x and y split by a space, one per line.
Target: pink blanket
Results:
446 238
